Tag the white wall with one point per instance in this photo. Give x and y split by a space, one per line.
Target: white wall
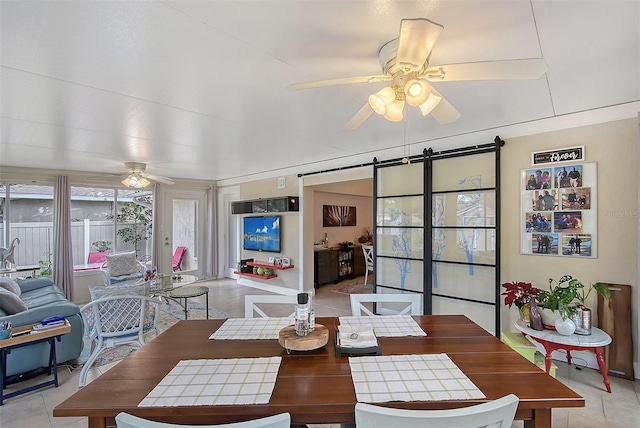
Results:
614 146
288 281
364 217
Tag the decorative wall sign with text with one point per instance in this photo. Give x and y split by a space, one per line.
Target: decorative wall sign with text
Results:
570 154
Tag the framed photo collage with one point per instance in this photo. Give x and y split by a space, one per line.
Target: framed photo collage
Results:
559 210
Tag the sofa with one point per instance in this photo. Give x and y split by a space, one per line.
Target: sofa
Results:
41 298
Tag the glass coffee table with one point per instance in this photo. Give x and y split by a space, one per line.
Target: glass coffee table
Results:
179 290
188 292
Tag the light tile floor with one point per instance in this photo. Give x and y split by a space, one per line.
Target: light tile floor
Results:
621 408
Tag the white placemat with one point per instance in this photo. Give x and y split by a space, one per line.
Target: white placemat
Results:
386 325
378 379
251 328
216 382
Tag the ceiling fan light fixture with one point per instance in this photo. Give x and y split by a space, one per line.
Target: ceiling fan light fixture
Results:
416 92
380 101
394 111
136 181
431 103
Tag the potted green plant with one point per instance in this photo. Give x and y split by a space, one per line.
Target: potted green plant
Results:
600 287
101 246
560 298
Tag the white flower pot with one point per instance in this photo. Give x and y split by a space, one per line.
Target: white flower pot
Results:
549 317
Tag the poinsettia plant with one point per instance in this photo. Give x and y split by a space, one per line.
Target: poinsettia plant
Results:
519 293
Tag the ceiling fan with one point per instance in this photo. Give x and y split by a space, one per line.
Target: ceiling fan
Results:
138 179
405 62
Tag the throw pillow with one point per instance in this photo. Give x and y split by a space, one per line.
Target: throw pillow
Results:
122 264
10 303
10 285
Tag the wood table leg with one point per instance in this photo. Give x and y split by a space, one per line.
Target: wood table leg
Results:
541 419
603 368
96 422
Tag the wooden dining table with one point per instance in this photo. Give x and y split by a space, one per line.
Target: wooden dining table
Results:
315 387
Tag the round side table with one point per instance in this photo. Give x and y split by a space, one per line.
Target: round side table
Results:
188 292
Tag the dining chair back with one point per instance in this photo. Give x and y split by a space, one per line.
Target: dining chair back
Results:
494 414
386 304
282 420
178 257
116 320
367 250
251 302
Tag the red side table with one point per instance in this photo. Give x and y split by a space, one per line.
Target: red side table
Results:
553 341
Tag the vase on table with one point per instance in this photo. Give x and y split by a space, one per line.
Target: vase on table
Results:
525 311
535 317
565 327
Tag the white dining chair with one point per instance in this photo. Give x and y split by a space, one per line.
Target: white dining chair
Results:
116 320
282 420
252 301
494 414
388 304
367 250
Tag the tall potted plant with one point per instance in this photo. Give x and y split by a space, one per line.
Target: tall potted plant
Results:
137 220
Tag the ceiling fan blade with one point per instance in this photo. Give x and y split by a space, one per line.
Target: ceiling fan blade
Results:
161 179
417 37
519 69
341 81
444 112
359 118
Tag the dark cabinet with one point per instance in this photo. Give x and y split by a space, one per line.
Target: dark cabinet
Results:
325 267
266 205
359 266
336 264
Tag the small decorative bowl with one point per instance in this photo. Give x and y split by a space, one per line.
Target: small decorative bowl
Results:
5 334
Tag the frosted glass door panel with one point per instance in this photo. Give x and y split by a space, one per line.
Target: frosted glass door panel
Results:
477 208
400 211
470 172
401 180
465 281
483 315
399 273
464 245
400 242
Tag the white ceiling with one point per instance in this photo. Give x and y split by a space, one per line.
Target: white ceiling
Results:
198 89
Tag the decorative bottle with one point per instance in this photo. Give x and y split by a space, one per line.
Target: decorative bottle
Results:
535 317
302 315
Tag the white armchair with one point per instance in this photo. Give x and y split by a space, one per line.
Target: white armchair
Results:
122 267
117 320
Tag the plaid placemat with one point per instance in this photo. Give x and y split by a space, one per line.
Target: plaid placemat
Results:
251 328
378 379
216 382
386 325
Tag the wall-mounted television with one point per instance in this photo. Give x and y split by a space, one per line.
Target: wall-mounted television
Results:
262 233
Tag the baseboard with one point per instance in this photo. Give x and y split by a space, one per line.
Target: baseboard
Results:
266 287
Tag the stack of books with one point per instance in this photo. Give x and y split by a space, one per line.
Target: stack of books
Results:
50 322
